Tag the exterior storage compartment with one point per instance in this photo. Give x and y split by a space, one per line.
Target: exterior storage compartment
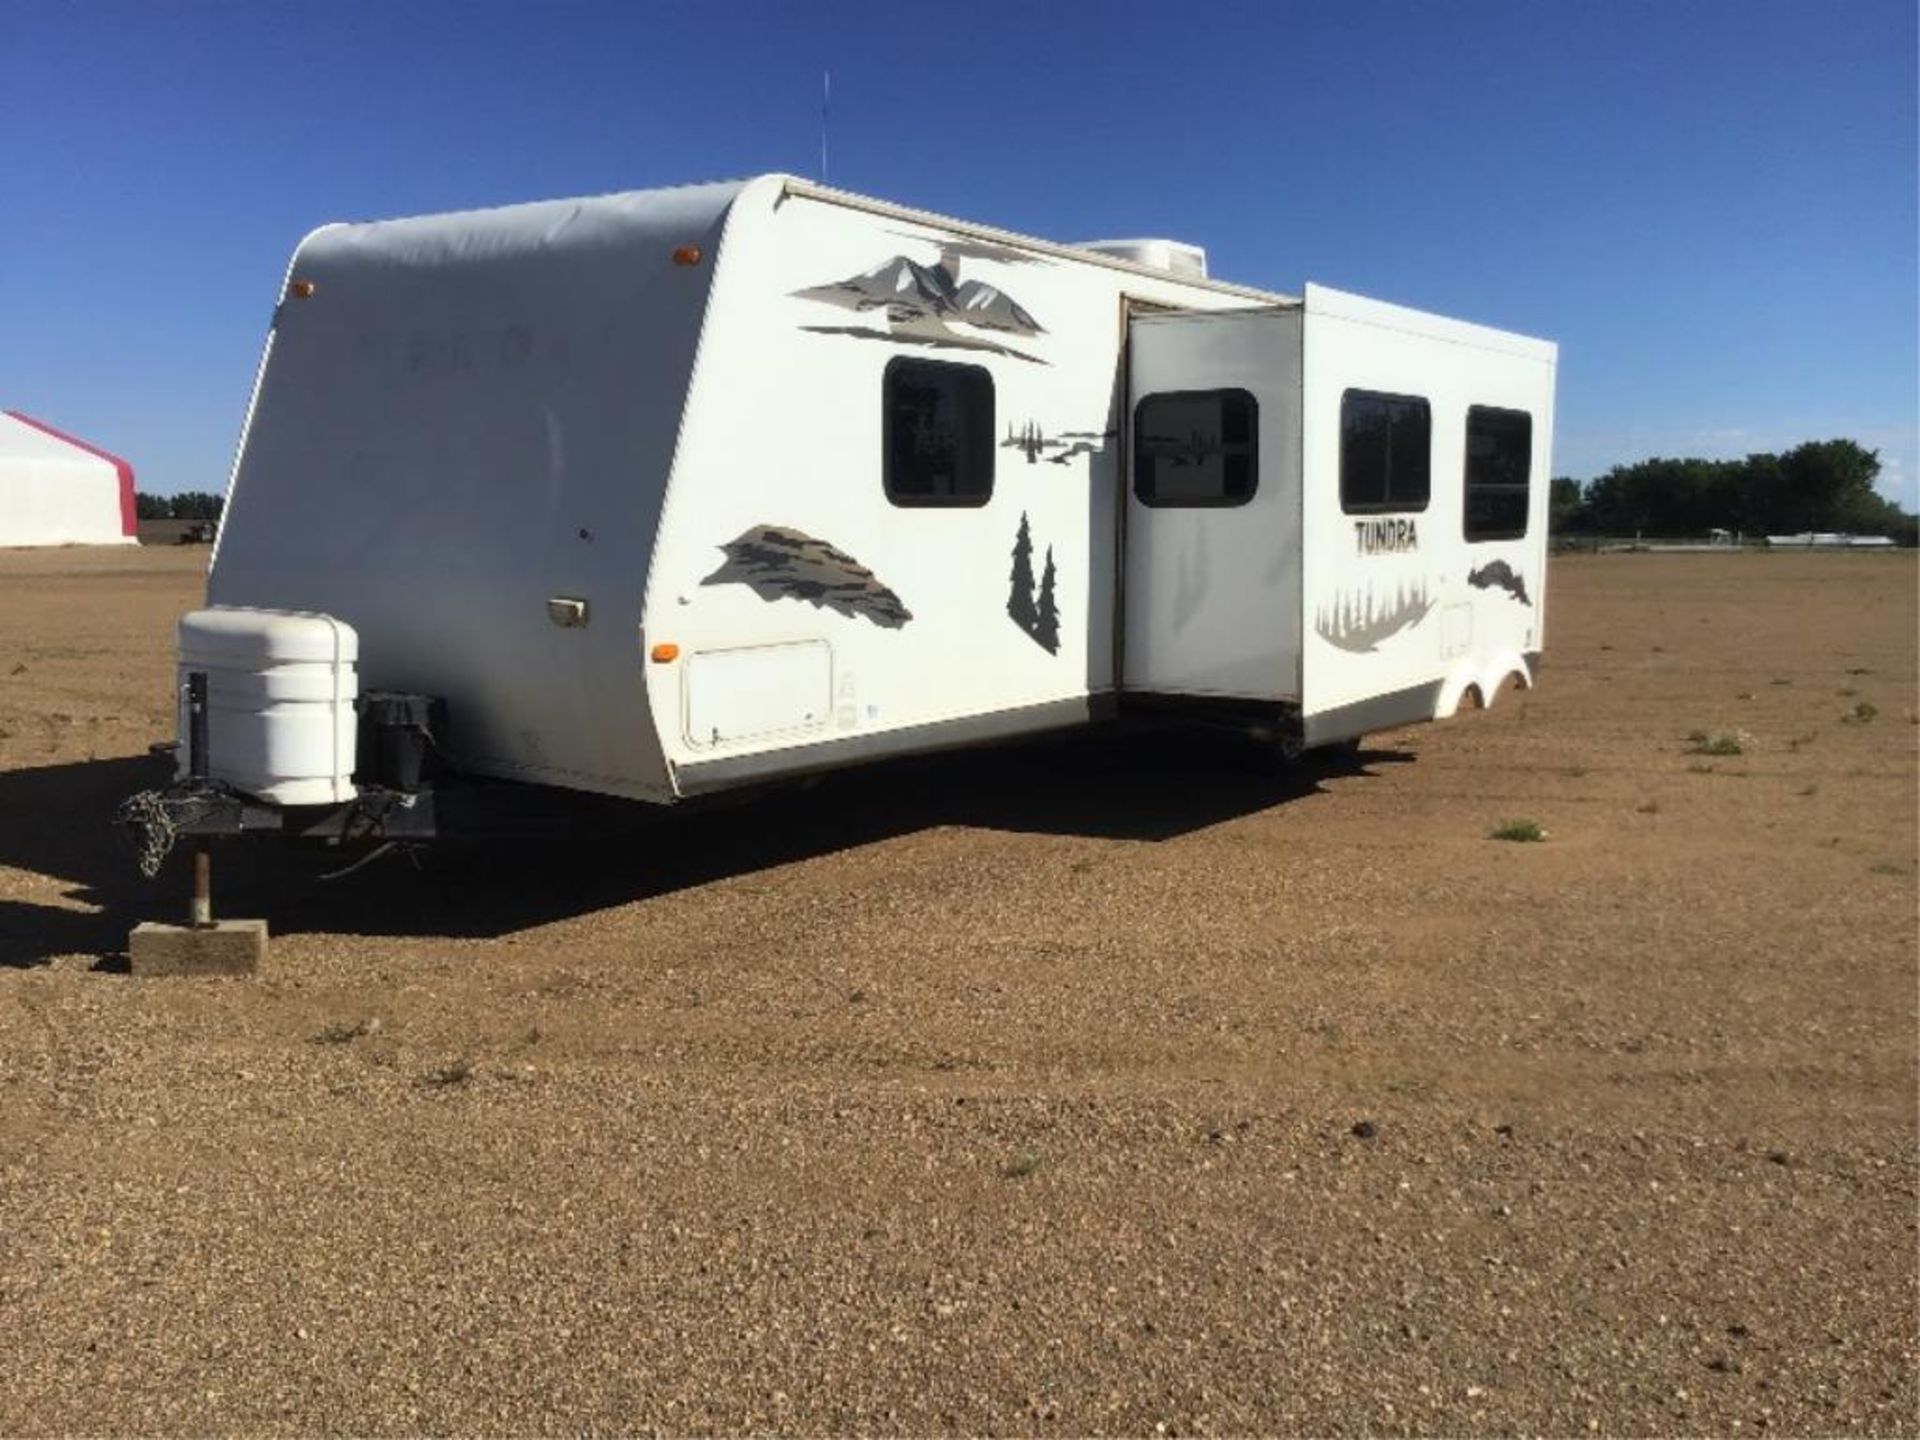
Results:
281 687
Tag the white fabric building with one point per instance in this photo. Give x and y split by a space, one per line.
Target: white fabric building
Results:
56 490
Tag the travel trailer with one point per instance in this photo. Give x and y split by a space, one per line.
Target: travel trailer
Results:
662 494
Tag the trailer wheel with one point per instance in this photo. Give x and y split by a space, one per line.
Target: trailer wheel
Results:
1267 753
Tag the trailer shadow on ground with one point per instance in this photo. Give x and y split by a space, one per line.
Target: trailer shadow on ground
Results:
55 823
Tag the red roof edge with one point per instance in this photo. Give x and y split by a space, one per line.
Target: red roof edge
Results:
129 516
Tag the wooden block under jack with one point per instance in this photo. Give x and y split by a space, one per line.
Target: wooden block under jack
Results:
226 947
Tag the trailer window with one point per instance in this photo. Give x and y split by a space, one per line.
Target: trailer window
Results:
1386 444
937 433
1196 447
1499 466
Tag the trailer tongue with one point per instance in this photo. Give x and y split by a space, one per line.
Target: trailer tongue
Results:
278 740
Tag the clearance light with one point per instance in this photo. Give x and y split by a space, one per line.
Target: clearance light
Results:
665 654
687 255
301 289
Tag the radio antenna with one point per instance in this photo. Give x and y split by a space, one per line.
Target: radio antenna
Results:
826 102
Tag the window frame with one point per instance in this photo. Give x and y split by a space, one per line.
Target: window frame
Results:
1222 502
1389 505
908 501
1467 486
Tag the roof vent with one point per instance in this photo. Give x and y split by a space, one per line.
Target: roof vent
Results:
1174 255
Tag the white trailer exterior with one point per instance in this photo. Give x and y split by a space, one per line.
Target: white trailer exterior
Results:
675 491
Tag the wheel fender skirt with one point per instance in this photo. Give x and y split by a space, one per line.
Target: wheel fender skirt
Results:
1484 676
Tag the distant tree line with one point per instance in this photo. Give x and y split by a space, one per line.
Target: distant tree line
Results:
1821 485
192 505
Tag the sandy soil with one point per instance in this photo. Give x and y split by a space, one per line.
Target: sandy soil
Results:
1065 1090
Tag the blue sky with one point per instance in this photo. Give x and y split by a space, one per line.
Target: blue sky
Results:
1710 206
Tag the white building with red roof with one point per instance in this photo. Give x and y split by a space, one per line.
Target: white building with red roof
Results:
59 490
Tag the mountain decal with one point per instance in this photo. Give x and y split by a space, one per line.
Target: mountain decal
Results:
991 308
927 305
778 563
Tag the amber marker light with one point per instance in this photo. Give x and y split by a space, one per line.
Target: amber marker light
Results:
687 255
300 289
665 654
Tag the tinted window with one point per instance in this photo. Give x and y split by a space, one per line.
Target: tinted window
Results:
1196 447
1386 445
1499 465
937 433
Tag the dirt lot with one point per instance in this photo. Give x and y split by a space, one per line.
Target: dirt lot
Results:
1056 1091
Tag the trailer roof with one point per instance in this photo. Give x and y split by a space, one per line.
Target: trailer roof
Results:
513 219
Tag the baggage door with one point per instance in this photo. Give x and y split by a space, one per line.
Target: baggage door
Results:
1211 598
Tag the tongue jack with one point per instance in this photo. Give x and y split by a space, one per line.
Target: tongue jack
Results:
200 907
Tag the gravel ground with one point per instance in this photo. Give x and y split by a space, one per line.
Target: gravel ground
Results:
1118 1087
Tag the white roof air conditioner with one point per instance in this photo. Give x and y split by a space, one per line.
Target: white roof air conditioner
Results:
1174 255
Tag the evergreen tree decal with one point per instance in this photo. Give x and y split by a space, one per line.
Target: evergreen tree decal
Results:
1020 600
1041 619
1046 626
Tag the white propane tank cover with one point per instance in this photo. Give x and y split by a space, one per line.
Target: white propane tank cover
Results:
1177 256
281 686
